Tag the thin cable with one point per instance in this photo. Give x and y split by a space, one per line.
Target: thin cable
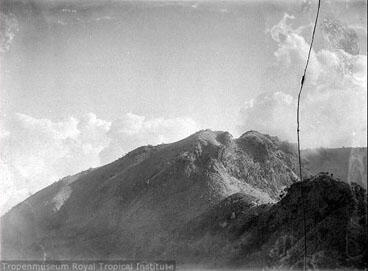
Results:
298 131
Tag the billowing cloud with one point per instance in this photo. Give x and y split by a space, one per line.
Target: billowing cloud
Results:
264 111
333 107
36 152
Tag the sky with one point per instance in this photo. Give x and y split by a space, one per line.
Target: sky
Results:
84 82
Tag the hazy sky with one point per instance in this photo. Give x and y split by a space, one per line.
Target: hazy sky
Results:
83 82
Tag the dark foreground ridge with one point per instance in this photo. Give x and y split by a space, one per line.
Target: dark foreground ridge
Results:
239 233
208 199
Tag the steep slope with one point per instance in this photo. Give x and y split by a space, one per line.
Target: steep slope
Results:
131 207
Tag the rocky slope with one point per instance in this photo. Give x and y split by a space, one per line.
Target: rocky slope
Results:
167 201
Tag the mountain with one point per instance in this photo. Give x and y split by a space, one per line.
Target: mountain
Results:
207 199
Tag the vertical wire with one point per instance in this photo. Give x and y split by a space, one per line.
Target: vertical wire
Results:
298 135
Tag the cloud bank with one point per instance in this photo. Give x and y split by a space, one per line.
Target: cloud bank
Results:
36 152
333 107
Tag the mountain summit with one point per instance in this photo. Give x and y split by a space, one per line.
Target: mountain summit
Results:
137 206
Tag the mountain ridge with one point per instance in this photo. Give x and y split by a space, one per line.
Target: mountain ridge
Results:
134 206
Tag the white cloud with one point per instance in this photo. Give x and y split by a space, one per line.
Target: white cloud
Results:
36 152
333 107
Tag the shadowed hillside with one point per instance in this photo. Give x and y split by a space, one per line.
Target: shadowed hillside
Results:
240 234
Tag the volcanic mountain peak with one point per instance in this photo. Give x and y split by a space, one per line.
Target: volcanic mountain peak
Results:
207 144
202 138
131 207
152 189
212 137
